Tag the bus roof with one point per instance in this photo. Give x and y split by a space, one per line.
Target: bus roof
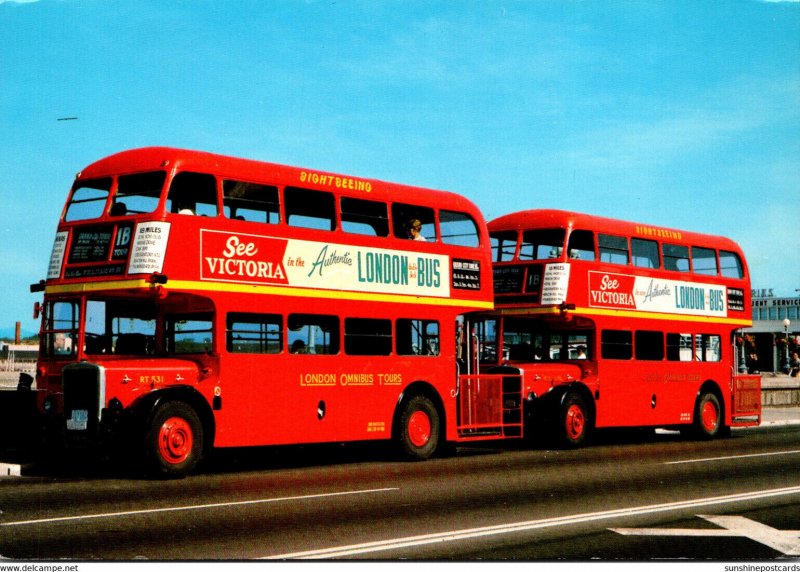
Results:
174 159
554 218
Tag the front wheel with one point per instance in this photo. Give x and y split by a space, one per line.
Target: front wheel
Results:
174 440
574 421
417 435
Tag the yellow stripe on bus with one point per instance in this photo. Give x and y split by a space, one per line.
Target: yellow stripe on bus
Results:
269 290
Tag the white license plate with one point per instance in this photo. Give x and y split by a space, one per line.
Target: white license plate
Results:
79 420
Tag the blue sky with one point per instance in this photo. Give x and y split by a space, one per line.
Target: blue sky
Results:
683 114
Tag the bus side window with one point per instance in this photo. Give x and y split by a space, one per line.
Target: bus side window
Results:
310 209
704 261
313 334
359 216
254 333
251 201
193 194
581 245
613 249
367 337
645 253
458 228
731 264
679 347
616 344
403 214
676 257
417 338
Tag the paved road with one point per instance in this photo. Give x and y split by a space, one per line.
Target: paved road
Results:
728 499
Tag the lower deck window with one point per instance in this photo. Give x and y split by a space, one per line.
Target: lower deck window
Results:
254 333
616 344
310 334
367 337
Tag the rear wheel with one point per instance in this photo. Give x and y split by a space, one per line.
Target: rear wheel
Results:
574 421
174 440
418 431
707 422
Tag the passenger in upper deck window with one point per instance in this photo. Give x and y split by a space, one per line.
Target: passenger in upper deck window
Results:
413 228
184 208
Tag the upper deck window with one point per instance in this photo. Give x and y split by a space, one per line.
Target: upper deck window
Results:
730 264
504 246
406 216
193 194
310 209
458 228
581 245
645 253
542 244
138 193
88 199
251 201
613 249
676 257
704 261
359 216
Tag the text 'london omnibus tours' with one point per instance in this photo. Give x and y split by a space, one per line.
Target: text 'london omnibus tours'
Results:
195 301
617 324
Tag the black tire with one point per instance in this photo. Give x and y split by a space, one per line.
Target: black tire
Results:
708 421
173 442
574 422
419 427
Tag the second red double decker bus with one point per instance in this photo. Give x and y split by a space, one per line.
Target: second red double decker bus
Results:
618 324
196 301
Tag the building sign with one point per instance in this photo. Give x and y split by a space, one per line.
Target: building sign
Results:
255 259
626 292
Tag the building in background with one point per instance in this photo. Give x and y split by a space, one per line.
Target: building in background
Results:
775 334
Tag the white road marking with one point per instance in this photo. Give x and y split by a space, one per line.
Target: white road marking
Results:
710 459
193 507
786 542
469 533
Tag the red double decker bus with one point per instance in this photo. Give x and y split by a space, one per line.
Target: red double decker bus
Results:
195 301
618 324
